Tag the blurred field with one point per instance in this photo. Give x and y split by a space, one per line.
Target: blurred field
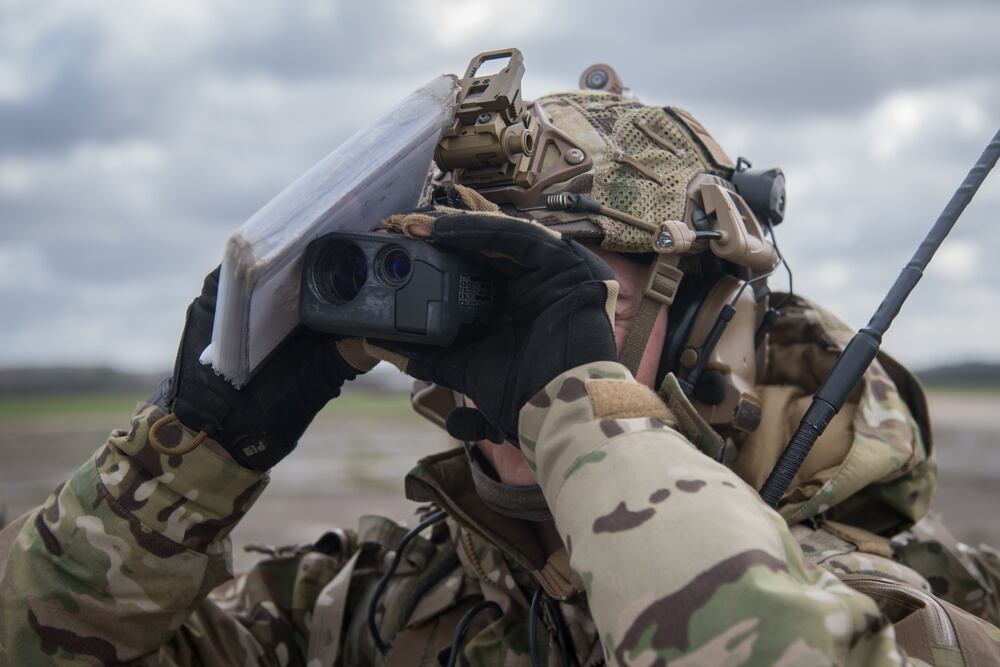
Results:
353 459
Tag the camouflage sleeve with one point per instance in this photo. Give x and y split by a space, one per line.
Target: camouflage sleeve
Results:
680 559
113 566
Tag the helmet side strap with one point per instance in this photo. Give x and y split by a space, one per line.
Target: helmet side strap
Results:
661 288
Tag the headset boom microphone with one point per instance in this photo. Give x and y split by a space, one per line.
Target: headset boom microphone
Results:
860 352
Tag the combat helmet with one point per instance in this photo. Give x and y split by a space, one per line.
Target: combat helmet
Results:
651 182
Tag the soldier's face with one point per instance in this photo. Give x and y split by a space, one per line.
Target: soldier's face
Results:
506 458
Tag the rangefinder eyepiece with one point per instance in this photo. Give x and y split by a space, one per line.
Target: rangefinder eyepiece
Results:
394 288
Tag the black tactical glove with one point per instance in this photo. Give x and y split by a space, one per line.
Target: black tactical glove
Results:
557 301
260 423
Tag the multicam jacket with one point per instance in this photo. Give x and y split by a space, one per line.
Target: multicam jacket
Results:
658 554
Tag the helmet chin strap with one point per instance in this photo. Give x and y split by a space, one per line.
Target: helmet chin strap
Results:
669 240
661 288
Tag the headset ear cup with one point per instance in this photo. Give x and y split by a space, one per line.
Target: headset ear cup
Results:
725 391
680 322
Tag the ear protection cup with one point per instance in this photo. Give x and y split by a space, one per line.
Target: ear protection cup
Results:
680 321
724 393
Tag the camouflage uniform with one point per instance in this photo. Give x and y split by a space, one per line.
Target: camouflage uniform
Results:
130 560
658 550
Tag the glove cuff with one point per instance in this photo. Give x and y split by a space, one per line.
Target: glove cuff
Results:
204 411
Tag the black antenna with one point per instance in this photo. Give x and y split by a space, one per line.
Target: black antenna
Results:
860 352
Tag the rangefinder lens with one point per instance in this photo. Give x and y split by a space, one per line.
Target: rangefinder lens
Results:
341 272
394 265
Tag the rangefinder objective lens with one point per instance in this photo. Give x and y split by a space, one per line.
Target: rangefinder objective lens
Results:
394 266
341 272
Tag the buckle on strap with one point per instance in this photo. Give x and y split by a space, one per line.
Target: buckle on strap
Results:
664 279
661 288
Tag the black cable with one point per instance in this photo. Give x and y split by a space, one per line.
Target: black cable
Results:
533 612
774 310
781 257
460 629
567 651
383 647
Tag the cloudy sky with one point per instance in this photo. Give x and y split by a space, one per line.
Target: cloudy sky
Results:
135 136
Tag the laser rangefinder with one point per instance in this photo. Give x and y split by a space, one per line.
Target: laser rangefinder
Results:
394 288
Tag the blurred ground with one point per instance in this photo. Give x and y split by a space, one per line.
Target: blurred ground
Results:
353 459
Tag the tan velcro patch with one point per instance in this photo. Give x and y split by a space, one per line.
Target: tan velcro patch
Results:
625 399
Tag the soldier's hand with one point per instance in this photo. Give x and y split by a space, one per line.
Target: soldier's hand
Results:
558 299
260 423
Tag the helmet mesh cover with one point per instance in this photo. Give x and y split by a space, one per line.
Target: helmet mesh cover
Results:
670 161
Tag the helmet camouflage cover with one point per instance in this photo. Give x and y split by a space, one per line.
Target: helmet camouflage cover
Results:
644 158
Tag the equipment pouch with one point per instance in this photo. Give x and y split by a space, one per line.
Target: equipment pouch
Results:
927 628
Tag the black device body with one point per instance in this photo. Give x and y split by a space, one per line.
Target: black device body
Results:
387 286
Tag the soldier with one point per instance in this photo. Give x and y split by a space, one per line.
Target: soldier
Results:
586 519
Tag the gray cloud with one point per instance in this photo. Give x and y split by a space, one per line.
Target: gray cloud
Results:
135 136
